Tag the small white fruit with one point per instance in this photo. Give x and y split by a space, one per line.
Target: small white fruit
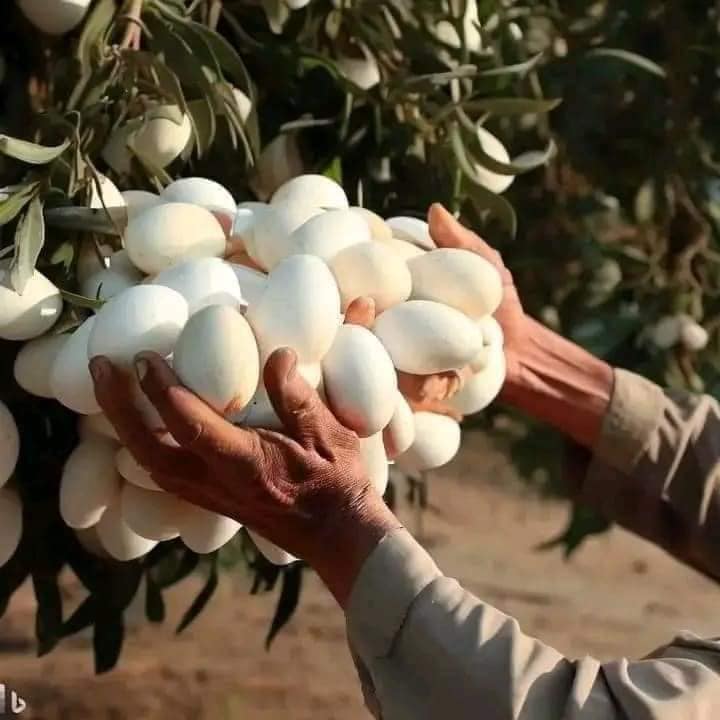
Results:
118 539
204 531
404 249
54 18
11 524
167 234
138 201
132 472
666 332
412 230
458 278
495 182
483 387
493 337
425 337
300 308
9 444
200 191
108 283
243 102
162 135
399 434
271 552
98 424
315 191
327 234
90 482
371 270
252 283
379 229
203 282
375 462
70 379
363 72
693 335
359 380
26 316
151 514
34 362
216 356
105 193
143 318
437 440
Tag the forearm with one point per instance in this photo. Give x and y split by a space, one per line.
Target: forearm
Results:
559 383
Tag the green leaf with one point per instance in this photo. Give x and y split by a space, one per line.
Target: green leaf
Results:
334 170
81 300
29 241
631 58
521 164
288 601
227 57
154 603
94 27
108 641
512 106
29 152
486 202
13 205
83 617
48 617
203 597
517 69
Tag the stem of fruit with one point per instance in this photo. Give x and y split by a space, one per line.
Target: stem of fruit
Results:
133 29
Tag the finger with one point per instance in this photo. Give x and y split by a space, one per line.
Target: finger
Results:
361 311
113 393
428 387
435 406
225 220
296 402
192 422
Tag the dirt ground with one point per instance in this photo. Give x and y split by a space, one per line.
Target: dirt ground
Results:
617 596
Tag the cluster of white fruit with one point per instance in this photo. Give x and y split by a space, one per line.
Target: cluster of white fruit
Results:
56 17
679 329
217 307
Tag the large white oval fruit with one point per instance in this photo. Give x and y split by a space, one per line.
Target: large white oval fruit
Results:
70 379
495 182
404 249
152 515
143 318
34 362
412 230
399 434
203 282
9 444
54 18
252 283
425 337
271 552
493 337
314 190
216 356
11 524
167 234
26 316
200 191
138 201
104 193
90 482
459 278
204 531
327 234
375 462
371 270
131 471
118 539
162 136
97 424
363 72
379 229
437 440
120 275
359 380
300 308
483 387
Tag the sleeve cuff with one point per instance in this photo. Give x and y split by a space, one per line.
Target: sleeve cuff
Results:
392 577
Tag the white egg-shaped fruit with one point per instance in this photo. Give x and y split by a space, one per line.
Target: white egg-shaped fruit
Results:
200 191
425 337
279 161
162 135
371 270
325 235
482 387
216 356
399 434
313 190
271 552
375 462
27 316
412 230
132 472
379 229
97 424
70 379
138 201
118 539
495 182
693 335
92 258
90 482
458 278
9 444
204 531
245 218
359 380
54 18
143 318
108 283
493 337
151 514
363 72
104 193
203 282
11 523
404 249
297 4
252 283
437 440
167 234
34 362
300 309
243 102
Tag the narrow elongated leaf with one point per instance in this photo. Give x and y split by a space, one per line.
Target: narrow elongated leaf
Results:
512 106
93 29
81 300
638 61
48 617
521 164
287 602
203 597
484 201
83 617
29 241
516 69
30 152
108 641
13 205
154 603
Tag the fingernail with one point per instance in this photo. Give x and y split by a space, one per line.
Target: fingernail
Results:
97 369
141 368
